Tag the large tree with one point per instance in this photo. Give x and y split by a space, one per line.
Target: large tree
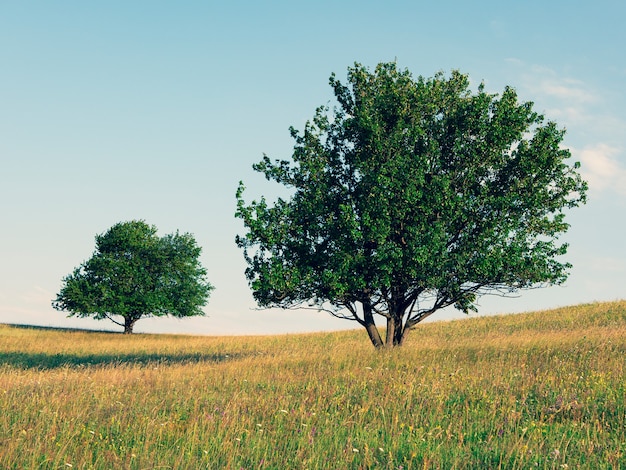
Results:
136 274
409 196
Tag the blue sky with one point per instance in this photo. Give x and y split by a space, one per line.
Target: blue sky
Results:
112 111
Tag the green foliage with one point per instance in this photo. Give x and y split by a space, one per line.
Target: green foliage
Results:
408 197
135 274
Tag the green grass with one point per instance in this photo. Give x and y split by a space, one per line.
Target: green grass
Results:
539 390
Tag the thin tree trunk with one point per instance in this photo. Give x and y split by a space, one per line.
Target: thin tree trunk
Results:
402 336
396 332
370 326
391 332
398 336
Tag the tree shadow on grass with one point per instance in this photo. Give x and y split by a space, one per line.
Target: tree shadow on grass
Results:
43 361
61 329
25 360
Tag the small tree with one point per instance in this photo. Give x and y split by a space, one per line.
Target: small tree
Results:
411 196
135 274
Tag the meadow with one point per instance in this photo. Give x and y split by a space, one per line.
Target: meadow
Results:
536 390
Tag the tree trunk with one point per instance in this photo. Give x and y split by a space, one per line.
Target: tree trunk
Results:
398 337
391 332
402 336
396 332
370 326
129 322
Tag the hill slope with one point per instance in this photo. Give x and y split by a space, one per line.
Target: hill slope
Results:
543 389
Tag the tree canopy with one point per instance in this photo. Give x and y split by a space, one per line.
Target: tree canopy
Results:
409 196
135 274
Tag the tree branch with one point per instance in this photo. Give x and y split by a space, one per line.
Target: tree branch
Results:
114 321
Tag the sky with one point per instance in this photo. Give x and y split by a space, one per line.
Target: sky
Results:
114 111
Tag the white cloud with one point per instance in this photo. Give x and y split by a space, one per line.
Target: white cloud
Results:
560 97
580 107
602 168
547 81
595 129
570 90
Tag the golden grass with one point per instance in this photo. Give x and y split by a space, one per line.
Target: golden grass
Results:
538 390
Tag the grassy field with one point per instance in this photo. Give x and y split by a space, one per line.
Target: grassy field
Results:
538 390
